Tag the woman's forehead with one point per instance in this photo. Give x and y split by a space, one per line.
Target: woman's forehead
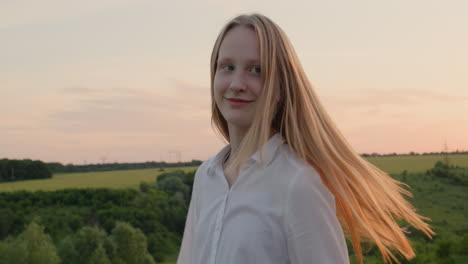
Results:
240 43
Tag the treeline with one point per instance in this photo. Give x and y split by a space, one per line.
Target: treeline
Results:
57 167
158 210
16 170
412 153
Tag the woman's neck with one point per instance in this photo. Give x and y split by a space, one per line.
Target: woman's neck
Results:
236 135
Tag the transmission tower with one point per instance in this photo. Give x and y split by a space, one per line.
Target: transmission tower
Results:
177 154
446 158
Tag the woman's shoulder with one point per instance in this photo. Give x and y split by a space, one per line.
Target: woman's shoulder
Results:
204 167
288 170
207 166
201 172
294 165
303 176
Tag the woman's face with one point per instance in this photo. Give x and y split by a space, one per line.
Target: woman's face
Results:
237 81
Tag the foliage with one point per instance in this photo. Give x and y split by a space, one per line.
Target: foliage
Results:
90 214
16 170
443 200
99 256
176 182
32 246
90 225
463 249
455 175
130 244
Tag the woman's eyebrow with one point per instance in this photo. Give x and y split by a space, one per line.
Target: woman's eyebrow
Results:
253 61
228 59
224 60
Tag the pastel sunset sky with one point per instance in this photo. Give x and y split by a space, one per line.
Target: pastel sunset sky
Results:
128 81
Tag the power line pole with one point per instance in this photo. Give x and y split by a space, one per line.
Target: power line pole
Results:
177 154
446 158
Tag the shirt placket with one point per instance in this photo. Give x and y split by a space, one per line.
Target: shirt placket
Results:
218 228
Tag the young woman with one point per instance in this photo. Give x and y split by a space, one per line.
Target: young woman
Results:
288 188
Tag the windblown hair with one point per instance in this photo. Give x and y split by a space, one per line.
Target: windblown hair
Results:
367 199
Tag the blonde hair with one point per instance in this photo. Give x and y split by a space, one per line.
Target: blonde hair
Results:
366 198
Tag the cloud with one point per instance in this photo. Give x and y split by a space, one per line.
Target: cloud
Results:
77 90
132 110
200 92
17 128
22 12
375 98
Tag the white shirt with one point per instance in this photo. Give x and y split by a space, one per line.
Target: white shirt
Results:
276 213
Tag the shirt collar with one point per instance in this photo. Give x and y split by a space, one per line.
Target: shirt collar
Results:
269 149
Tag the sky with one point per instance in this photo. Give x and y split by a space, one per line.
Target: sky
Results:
128 80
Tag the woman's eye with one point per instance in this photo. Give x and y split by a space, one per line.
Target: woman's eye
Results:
228 67
256 69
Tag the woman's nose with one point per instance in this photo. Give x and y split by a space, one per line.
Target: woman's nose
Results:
238 82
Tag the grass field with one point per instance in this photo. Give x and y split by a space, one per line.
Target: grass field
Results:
397 164
132 178
110 179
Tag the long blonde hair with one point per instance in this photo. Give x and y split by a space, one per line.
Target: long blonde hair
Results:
367 199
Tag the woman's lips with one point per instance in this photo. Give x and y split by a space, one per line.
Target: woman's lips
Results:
238 102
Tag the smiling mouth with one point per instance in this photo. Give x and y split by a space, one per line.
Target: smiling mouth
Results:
236 103
238 100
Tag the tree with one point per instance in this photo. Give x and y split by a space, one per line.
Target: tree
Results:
87 240
172 185
99 256
12 252
464 245
67 251
158 246
130 244
80 248
33 246
7 221
444 251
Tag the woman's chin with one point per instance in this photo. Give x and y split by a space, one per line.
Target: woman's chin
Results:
238 122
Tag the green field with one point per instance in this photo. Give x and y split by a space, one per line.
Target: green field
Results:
110 179
397 164
132 178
